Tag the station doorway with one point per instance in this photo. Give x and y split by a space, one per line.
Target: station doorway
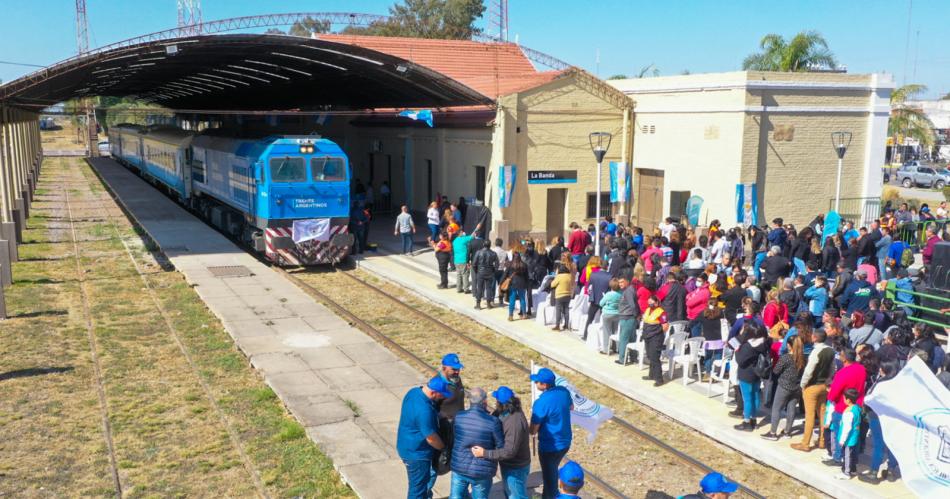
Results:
557 205
649 198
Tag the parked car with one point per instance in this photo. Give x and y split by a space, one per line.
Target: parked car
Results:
915 174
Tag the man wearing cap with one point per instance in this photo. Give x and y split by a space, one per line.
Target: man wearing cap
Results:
474 427
713 486
451 373
417 438
551 421
515 457
857 296
570 480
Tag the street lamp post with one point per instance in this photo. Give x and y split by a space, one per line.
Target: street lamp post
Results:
599 143
840 141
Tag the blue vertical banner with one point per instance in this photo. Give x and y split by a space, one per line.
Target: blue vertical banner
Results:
693 206
506 185
619 182
747 209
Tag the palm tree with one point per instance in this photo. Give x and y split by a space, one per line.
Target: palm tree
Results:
909 121
808 50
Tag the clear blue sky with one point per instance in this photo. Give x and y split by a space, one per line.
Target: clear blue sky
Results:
698 35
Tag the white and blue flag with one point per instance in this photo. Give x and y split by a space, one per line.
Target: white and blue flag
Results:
619 182
747 210
914 409
506 185
587 414
312 228
419 115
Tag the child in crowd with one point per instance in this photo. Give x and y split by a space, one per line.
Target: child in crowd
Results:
609 315
849 430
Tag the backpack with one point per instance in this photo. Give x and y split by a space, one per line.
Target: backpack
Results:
763 366
907 257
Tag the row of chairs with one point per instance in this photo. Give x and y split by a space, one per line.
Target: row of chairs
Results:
679 350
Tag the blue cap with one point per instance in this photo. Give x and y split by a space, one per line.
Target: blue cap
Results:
439 385
503 394
544 375
571 474
715 483
452 360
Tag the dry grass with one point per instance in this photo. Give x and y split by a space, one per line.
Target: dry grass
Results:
170 440
645 470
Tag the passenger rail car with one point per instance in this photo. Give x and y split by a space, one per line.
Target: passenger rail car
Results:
285 196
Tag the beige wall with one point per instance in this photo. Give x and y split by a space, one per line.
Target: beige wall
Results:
547 128
713 131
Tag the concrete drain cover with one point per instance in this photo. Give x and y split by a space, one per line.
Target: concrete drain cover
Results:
230 271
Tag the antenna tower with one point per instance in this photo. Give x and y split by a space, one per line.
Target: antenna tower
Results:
498 19
189 14
82 27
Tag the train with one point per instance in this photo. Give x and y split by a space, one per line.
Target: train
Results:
285 196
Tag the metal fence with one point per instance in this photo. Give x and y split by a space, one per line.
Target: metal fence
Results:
915 233
861 211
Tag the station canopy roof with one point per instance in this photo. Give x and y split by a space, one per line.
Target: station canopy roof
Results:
245 72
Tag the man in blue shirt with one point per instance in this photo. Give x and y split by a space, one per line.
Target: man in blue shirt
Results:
418 438
777 236
571 478
551 421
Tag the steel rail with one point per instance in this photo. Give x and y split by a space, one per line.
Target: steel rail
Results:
381 337
686 458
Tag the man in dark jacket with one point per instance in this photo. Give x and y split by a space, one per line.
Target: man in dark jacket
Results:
475 427
774 267
629 312
484 267
842 280
866 245
598 285
857 296
674 299
515 458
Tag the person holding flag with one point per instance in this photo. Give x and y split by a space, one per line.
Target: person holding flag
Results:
551 421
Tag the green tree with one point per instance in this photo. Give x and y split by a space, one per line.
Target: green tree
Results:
307 26
446 19
808 50
907 120
618 77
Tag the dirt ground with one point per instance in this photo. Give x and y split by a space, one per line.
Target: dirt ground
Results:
104 343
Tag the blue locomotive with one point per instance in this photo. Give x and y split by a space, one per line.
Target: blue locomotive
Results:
285 196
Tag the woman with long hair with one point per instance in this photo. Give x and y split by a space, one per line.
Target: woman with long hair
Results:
754 343
710 324
443 255
594 264
788 370
517 272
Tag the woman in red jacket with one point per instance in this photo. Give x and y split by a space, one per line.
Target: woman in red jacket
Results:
645 291
774 311
696 300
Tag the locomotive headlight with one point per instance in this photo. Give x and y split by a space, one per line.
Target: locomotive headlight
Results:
306 149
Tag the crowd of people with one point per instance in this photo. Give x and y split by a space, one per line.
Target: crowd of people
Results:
437 435
811 330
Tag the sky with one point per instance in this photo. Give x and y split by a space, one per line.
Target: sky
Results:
700 36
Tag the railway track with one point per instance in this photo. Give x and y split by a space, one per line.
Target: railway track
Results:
494 354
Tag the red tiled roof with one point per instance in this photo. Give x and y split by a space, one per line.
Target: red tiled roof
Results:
492 69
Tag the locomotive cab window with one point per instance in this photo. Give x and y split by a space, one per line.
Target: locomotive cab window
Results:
288 169
328 169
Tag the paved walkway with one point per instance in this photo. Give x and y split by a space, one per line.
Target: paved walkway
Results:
316 363
688 404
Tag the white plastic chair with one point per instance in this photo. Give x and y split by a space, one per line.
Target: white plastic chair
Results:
679 327
673 345
689 358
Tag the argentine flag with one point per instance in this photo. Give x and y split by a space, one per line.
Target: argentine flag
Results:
506 185
419 115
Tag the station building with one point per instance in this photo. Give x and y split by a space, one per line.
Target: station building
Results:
702 135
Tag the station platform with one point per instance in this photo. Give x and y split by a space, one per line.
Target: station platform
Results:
691 405
316 363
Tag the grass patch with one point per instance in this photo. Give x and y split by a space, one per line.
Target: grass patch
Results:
353 407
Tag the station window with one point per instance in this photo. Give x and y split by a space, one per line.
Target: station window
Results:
592 205
288 169
328 169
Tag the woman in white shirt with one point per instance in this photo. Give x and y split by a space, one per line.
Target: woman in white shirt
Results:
432 217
